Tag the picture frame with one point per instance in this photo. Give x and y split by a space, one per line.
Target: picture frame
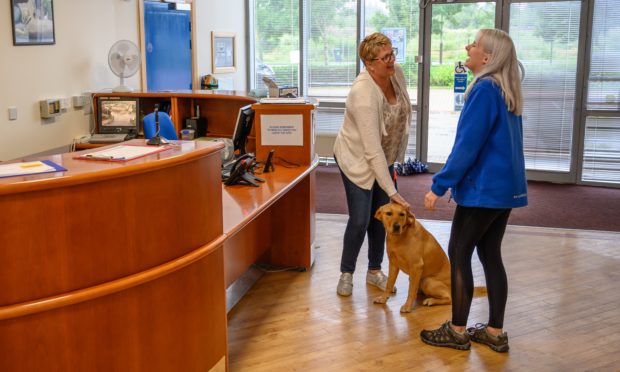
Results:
32 22
223 52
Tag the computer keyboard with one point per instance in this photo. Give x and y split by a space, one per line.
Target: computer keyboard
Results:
107 138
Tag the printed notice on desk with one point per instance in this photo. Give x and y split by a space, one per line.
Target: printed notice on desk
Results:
122 153
282 130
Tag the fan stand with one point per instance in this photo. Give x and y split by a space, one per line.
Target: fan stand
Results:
122 87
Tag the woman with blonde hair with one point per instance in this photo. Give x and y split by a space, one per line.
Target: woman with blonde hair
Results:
486 173
373 136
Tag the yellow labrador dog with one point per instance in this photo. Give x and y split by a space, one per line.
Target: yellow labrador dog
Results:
412 249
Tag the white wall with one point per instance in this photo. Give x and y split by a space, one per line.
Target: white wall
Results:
77 63
221 16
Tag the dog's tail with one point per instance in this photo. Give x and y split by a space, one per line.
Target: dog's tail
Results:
480 291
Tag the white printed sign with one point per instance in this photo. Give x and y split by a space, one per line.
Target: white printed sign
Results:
282 130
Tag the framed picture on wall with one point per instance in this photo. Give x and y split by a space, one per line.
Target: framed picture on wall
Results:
32 22
223 56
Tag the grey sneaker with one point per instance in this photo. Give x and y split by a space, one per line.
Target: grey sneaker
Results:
479 334
379 280
345 284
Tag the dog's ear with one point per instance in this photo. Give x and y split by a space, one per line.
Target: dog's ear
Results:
410 218
379 214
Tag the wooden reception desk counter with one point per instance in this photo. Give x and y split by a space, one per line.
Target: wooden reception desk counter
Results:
123 266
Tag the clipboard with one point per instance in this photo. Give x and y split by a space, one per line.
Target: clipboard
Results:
122 153
30 168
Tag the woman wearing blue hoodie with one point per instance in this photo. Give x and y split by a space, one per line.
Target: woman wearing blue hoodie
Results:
486 173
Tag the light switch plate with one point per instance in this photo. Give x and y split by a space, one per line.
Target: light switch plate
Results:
12 113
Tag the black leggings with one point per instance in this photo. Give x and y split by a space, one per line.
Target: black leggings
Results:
483 228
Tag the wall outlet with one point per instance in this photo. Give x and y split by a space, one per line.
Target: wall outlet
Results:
12 113
79 101
64 104
88 103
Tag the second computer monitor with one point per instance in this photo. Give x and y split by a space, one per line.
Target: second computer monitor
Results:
245 120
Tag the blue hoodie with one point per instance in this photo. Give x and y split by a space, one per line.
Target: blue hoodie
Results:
486 167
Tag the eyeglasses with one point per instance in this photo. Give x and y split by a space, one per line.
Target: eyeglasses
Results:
388 57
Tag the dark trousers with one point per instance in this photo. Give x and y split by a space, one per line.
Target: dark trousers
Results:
362 207
482 228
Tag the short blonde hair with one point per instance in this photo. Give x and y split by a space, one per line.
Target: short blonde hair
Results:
503 67
371 46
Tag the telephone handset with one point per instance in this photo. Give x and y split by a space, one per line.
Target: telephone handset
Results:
241 172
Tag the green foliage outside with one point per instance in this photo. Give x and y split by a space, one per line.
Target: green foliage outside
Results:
332 51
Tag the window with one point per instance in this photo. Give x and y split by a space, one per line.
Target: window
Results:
329 46
401 21
275 26
601 157
332 47
546 36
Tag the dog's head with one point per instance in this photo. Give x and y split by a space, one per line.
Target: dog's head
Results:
395 218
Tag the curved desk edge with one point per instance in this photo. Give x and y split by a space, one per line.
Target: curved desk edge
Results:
85 294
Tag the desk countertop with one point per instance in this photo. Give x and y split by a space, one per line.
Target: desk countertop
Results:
241 203
80 171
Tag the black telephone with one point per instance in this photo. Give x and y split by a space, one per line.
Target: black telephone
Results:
241 172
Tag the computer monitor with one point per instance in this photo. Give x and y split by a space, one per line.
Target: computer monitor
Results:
118 114
245 119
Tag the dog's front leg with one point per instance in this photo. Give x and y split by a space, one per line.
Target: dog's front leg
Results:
389 287
415 274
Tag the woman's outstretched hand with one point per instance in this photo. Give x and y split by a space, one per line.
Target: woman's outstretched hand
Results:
429 200
396 198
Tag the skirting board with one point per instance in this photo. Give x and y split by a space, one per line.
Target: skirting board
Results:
239 287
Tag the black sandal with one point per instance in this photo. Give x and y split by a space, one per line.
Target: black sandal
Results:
447 337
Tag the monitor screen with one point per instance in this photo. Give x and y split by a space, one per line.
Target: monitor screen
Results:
118 114
245 119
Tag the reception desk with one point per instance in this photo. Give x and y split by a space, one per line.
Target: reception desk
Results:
123 266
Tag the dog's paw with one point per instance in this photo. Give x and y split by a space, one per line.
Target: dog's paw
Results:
405 309
380 300
428 301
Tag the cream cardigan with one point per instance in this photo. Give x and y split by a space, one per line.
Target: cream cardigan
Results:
358 144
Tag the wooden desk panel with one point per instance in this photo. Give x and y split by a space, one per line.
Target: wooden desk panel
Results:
219 107
114 266
273 223
303 154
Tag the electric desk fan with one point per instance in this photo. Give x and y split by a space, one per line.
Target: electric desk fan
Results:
124 61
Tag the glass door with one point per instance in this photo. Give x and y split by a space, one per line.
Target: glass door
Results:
547 37
450 27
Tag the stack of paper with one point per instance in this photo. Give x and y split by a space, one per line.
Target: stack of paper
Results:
28 168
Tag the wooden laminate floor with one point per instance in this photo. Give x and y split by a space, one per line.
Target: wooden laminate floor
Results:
563 311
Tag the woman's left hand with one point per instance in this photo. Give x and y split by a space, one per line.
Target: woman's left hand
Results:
396 198
429 200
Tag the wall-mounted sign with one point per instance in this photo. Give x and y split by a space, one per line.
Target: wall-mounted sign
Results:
460 85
